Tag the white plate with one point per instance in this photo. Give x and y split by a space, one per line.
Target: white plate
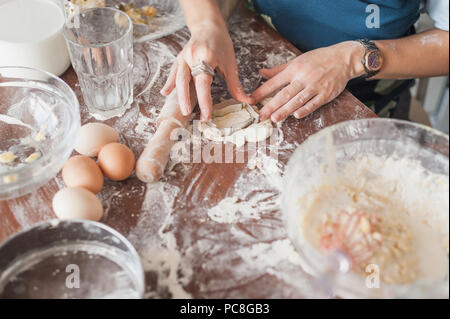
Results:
169 17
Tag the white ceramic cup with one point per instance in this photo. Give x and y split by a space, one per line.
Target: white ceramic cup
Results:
31 35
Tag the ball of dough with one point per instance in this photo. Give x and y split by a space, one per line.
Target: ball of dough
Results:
93 136
77 203
116 161
82 171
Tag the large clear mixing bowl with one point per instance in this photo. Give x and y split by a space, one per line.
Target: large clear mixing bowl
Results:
70 259
39 122
332 149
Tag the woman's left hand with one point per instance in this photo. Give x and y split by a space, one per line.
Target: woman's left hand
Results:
310 80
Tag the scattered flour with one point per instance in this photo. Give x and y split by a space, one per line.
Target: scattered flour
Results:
269 255
231 210
106 115
158 248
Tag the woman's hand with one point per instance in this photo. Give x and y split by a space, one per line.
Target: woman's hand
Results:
310 80
213 45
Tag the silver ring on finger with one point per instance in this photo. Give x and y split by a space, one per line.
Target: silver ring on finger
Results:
202 67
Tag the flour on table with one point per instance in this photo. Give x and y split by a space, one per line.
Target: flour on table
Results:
269 167
231 210
269 255
157 247
171 248
106 115
241 208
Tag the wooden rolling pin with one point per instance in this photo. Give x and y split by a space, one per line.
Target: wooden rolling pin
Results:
153 160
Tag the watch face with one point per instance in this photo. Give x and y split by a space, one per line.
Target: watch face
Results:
374 60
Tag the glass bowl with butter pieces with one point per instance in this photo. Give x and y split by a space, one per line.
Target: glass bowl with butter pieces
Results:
39 122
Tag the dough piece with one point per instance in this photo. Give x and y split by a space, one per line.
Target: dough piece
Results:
34 156
222 111
40 136
237 138
7 157
8 179
235 123
239 119
259 131
211 133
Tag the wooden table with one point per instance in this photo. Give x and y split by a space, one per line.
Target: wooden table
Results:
185 253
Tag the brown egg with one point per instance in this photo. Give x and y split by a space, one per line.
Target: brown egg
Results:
116 161
82 171
93 136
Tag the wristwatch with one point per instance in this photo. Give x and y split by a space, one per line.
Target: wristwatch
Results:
373 58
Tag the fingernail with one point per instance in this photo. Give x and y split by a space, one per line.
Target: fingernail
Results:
204 118
274 118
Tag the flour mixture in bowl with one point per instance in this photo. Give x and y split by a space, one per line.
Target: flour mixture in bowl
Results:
385 212
375 191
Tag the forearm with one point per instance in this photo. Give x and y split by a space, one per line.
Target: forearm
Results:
420 55
202 14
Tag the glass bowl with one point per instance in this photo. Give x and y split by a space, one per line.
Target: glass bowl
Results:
39 122
168 19
330 150
70 259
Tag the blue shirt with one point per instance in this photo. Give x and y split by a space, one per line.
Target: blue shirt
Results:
310 24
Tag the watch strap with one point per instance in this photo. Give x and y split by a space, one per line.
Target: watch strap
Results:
369 46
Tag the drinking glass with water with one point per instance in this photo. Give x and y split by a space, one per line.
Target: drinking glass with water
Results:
100 43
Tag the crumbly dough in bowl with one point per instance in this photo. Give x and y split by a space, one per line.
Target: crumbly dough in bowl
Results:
393 175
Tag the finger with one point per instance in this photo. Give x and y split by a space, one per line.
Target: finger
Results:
203 88
183 78
294 104
282 97
268 73
270 86
171 80
235 86
309 107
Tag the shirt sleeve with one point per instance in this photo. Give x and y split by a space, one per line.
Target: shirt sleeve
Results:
438 11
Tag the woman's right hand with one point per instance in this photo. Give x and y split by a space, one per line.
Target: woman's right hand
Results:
213 45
